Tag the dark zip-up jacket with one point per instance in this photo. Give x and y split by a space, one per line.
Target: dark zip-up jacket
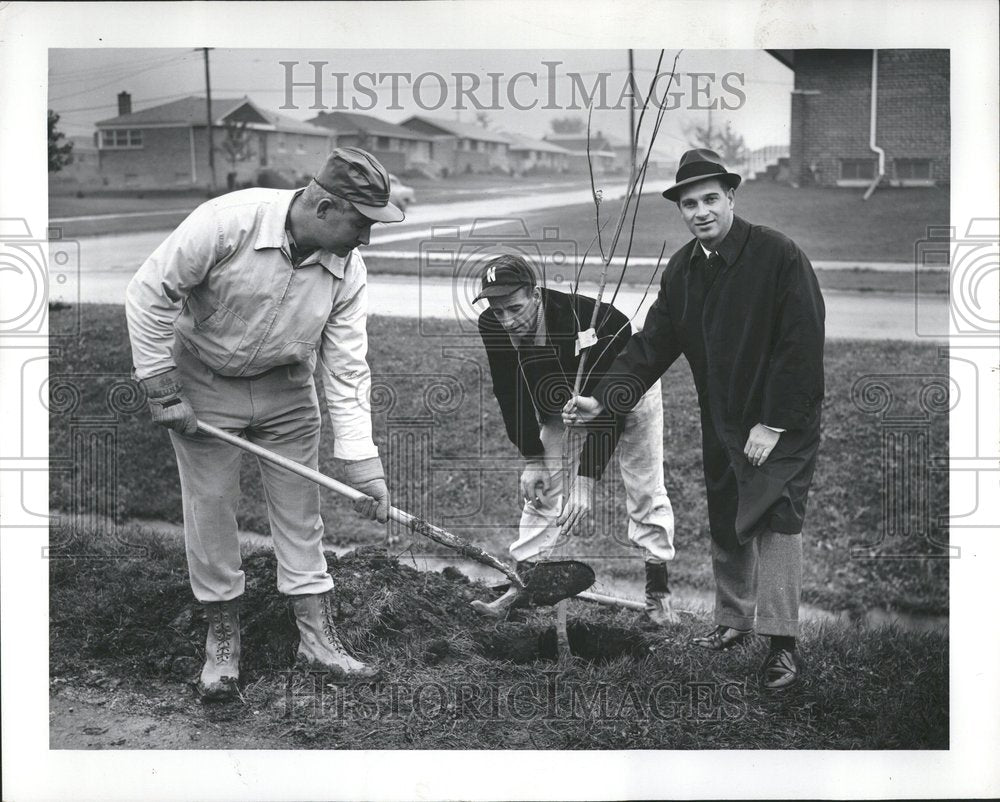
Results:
533 383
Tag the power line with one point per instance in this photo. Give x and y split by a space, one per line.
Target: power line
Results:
118 79
174 96
96 73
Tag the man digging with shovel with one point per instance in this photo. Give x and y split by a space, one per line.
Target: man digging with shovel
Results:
531 339
226 321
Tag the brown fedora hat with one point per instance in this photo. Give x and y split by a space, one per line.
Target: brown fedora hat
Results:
697 165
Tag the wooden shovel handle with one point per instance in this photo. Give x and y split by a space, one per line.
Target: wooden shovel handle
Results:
414 524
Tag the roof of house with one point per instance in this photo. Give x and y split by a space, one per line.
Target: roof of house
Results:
461 130
519 142
349 122
577 143
191 111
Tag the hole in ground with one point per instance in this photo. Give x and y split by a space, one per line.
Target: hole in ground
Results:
597 643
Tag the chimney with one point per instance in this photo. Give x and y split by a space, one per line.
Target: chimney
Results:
124 103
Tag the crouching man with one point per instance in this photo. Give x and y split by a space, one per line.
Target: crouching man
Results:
227 319
530 334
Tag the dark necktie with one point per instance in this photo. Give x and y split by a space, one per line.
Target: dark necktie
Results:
713 265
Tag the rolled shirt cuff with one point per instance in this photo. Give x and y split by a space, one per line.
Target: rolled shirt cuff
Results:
773 428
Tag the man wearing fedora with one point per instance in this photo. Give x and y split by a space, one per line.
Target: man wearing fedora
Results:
227 320
532 339
742 304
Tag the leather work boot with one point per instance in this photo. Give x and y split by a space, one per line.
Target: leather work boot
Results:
220 675
319 643
500 607
658 608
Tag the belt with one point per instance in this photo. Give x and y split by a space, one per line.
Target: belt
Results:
267 372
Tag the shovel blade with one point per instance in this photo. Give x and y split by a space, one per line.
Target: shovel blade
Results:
551 581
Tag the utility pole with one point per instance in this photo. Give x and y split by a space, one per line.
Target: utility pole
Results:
631 108
208 116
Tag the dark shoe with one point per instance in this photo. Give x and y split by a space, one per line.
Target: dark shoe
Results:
219 681
780 670
721 638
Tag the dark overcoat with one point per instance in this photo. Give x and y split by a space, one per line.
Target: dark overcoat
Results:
750 322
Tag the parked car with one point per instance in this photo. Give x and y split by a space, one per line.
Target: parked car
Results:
399 193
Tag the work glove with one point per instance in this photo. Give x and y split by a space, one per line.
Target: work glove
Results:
368 476
535 481
167 403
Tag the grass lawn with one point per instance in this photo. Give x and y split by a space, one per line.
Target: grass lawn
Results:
848 280
448 459
126 638
828 224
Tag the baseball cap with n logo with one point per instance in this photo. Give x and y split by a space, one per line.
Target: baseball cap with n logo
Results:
504 275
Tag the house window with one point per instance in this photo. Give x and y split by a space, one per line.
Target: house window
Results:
182 177
300 144
282 147
121 138
857 169
913 169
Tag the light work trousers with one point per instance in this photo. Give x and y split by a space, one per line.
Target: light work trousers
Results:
279 411
640 456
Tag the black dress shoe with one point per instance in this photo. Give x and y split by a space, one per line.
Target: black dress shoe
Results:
780 670
721 638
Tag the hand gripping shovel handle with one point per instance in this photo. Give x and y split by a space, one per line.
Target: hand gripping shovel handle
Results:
411 522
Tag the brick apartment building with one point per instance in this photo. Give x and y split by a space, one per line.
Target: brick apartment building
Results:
831 120
461 147
398 148
167 146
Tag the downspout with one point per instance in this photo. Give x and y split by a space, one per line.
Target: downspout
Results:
872 127
194 170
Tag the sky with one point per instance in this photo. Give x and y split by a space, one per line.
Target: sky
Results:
749 89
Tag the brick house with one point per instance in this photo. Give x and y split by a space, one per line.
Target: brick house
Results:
460 147
398 148
167 146
602 155
831 120
536 155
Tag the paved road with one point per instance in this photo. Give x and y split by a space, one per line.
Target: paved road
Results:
108 262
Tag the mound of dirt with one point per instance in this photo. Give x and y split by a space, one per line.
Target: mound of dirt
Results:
140 614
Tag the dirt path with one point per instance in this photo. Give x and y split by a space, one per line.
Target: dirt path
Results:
105 715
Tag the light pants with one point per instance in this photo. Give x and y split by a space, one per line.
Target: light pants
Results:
763 576
640 455
278 411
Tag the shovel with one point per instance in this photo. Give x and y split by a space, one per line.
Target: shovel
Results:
546 583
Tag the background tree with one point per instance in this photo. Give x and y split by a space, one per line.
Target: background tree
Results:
568 125
236 146
60 152
728 143
483 119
